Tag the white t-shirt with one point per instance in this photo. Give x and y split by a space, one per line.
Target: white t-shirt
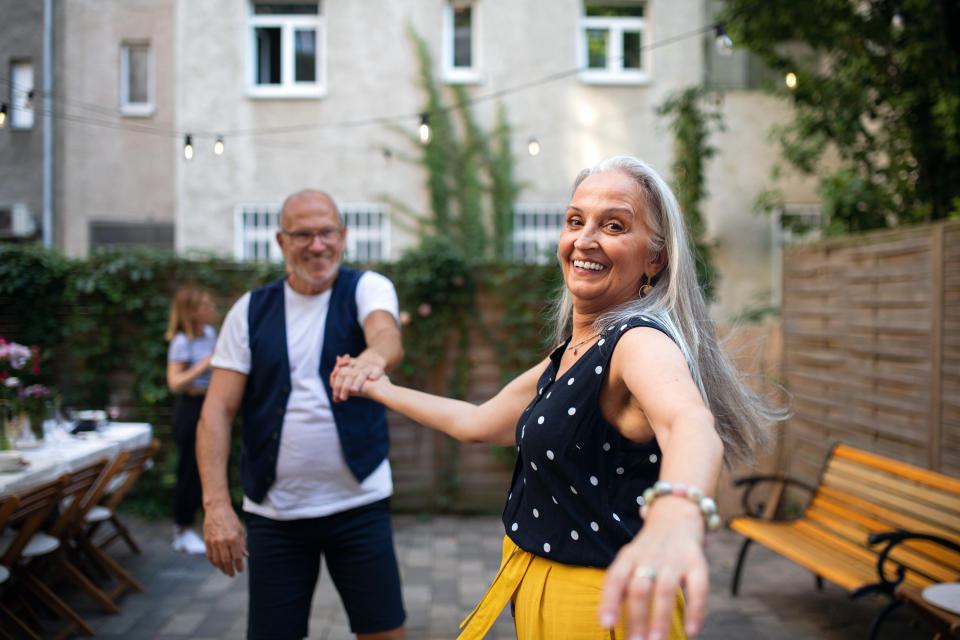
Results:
312 479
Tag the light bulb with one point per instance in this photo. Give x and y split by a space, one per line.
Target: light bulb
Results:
218 146
791 80
723 41
3 114
896 23
424 128
533 147
188 147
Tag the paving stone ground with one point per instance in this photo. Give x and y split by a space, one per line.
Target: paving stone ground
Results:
447 563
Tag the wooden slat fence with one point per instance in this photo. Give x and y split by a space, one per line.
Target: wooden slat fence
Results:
871 334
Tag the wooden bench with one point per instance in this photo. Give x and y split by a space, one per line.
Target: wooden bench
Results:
873 525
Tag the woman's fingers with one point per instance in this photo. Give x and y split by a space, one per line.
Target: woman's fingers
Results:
640 588
697 585
614 590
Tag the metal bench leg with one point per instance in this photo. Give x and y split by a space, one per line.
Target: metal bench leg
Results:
735 579
875 627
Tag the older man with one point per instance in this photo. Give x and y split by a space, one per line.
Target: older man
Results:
315 474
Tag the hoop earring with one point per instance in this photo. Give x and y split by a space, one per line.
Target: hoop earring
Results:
645 288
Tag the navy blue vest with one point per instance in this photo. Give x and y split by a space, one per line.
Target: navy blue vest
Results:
361 423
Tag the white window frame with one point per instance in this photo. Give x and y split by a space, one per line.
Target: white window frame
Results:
614 73
128 107
368 229
454 74
22 94
288 24
536 231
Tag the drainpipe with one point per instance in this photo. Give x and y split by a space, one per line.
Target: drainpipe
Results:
47 123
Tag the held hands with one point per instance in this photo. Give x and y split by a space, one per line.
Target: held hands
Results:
647 572
353 376
223 535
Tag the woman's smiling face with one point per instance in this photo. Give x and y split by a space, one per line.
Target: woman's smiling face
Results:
604 249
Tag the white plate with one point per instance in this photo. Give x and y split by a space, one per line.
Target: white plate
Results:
945 595
10 461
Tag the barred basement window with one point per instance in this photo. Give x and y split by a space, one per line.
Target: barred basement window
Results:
536 230
368 232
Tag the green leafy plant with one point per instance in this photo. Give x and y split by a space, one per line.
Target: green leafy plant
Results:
692 121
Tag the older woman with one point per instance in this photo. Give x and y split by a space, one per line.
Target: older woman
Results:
620 431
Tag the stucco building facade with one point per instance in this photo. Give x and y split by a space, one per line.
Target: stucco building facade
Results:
312 93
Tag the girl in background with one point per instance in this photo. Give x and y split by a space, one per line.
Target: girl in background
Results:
192 339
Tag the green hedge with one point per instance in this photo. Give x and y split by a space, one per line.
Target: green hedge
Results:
99 322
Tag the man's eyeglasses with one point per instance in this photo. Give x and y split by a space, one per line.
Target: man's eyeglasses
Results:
304 238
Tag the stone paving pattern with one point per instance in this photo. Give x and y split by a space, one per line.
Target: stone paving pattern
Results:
447 562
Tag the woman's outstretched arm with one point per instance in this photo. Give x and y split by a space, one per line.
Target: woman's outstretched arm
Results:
667 553
494 421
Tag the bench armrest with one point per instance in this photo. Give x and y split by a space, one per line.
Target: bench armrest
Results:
751 482
892 539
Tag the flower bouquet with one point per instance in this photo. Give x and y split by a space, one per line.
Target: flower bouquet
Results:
25 399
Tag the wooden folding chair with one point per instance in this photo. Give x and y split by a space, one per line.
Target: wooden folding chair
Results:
106 511
83 544
7 507
25 544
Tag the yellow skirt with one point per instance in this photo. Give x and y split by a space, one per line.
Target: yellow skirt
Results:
551 601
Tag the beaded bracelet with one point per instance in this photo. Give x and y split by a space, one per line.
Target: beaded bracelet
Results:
695 495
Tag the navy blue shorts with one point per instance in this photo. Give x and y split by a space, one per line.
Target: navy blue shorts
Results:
284 566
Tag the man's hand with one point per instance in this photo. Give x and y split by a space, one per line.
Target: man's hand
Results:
349 374
224 536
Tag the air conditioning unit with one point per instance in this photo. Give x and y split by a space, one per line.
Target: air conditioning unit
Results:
17 221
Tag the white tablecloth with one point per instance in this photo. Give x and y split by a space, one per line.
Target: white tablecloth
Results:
53 459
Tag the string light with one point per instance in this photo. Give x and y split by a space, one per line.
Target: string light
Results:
896 22
3 114
724 43
188 147
424 127
791 80
533 147
218 146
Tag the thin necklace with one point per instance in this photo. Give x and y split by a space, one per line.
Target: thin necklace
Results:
581 343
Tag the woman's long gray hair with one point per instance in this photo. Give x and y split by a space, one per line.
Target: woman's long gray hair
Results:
742 416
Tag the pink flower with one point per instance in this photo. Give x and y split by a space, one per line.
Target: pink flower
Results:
424 310
404 318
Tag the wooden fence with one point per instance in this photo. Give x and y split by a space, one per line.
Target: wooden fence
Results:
871 334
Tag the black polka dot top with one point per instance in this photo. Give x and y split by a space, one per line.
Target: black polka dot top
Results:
576 487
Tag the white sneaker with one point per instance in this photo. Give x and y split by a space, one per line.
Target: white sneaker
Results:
188 542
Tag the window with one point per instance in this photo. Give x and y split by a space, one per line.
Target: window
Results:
286 50
461 51
611 44
368 232
536 230
136 79
21 94
139 234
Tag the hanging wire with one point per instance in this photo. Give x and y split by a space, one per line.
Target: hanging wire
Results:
57 112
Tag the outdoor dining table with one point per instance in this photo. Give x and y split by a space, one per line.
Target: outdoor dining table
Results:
55 457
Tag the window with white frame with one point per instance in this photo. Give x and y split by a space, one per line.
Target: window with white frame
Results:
461 41
368 232
612 38
136 79
21 94
286 50
536 230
